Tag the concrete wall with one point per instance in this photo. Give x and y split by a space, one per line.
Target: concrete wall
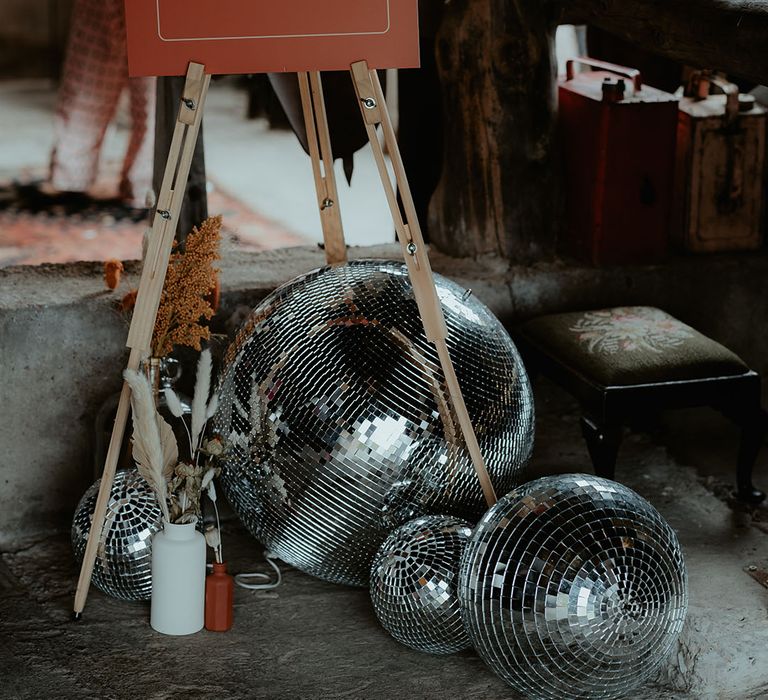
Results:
61 344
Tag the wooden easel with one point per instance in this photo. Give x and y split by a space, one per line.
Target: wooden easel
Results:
374 113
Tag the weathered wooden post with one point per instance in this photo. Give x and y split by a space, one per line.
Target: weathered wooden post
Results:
499 189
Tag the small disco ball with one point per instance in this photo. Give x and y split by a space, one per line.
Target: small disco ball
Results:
123 558
336 413
413 584
573 587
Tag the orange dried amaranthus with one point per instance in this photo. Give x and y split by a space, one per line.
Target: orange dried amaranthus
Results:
128 302
112 270
189 280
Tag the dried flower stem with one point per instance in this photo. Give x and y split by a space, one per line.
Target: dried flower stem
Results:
219 551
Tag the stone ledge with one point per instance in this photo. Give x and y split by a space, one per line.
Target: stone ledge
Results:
62 342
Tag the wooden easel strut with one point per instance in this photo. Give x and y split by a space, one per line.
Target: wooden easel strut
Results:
374 112
319 140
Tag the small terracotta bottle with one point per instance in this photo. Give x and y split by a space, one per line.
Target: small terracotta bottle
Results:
219 591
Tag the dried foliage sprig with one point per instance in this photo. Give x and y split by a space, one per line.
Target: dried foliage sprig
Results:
213 535
193 478
174 402
178 483
185 303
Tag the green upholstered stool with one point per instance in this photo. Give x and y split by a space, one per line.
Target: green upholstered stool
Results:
627 361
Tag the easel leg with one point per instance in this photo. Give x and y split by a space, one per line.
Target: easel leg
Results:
148 299
374 111
107 479
319 140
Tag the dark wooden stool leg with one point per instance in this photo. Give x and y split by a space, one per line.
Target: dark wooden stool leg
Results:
754 427
603 444
745 409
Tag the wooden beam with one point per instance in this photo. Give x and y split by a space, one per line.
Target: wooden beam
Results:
728 35
321 156
498 192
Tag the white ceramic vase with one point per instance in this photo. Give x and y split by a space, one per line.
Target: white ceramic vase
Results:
178 579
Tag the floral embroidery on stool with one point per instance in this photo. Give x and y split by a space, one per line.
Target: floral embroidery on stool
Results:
630 329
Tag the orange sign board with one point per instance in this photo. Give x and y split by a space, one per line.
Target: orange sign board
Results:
266 36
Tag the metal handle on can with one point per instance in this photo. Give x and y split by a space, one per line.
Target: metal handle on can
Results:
731 92
632 73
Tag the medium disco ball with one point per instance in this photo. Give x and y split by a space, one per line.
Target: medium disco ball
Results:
573 587
413 584
337 417
123 558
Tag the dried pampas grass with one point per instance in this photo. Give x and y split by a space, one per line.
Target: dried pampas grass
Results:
200 399
213 405
174 403
154 444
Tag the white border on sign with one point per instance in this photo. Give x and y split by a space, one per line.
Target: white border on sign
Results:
273 36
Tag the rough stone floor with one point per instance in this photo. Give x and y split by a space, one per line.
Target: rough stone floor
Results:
310 639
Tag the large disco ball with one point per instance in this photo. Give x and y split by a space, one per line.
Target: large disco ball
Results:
338 422
573 587
414 578
124 554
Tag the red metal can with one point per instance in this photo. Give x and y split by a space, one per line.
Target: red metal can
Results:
720 171
619 153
